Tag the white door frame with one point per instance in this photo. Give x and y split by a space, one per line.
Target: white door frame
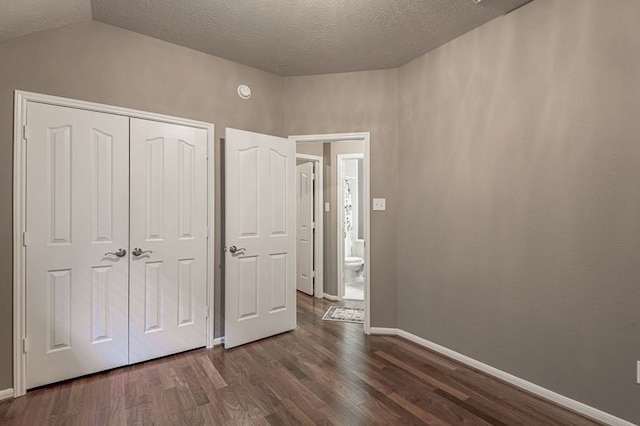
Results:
365 137
318 235
20 136
340 220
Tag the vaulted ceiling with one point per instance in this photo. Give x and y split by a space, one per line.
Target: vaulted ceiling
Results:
20 17
286 37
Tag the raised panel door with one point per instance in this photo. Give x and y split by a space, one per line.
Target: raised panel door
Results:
77 212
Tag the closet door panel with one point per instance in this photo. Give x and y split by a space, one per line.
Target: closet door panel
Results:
77 211
168 239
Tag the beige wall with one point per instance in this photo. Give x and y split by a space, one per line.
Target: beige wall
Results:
100 63
519 207
359 102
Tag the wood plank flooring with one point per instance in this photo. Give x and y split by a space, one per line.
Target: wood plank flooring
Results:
324 372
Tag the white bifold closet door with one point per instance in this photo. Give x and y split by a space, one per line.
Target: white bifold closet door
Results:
169 226
116 244
77 210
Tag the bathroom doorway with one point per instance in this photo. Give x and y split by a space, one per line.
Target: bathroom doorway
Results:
346 252
350 225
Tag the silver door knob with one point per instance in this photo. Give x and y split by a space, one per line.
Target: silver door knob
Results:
234 249
137 251
120 253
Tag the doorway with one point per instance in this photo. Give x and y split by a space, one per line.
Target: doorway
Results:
350 221
320 145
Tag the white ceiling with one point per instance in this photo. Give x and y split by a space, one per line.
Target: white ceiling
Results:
286 37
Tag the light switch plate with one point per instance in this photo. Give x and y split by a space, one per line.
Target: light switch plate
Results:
379 204
327 207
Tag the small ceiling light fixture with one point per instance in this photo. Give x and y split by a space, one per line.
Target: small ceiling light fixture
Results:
476 1
244 91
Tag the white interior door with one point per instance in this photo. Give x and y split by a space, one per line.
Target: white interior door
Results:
304 227
77 210
260 260
169 228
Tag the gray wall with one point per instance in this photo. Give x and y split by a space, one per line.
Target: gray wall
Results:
310 149
357 102
519 207
100 63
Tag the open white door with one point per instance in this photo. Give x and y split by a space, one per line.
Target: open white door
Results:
304 227
168 239
77 255
260 260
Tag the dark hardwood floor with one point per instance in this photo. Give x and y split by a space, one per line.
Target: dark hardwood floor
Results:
324 372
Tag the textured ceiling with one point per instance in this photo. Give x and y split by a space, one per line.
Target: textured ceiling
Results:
19 17
298 37
286 37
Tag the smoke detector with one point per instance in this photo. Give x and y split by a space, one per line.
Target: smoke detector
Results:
244 91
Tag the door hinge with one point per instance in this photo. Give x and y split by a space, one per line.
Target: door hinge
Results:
25 132
25 239
206 232
313 225
313 176
313 274
25 345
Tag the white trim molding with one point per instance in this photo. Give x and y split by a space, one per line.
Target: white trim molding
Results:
365 137
385 331
6 394
22 98
538 390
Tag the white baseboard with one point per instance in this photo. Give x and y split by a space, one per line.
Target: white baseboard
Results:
572 404
218 341
330 297
6 394
385 331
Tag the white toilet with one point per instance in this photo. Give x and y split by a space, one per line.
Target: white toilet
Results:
354 265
